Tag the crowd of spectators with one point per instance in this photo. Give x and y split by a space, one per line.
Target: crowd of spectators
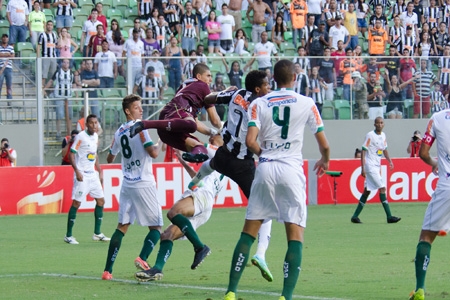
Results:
396 50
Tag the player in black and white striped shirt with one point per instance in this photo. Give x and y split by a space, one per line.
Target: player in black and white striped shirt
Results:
190 34
46 48
151 89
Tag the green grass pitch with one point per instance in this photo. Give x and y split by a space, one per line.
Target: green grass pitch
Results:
341 260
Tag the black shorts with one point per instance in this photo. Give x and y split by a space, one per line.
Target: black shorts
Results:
241 171
46 1
226 44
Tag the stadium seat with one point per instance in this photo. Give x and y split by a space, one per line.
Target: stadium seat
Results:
126 24
110 93
76 26
81 14
111 117
251 47
87 4
25 49
132 3
120 82
131 13
343 109
288 36
124 34
121 5
408 108
114 14
4 26
328 110
107 4
48 14
169 94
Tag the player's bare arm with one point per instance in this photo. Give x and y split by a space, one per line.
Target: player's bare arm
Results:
212 97
424 154
251 140
363 162
154 150
322 164
99 169
110 158
386 154
214 117
78 174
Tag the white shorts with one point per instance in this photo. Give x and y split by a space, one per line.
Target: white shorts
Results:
278 192
437 215
373 180
140 204
90 185
203 205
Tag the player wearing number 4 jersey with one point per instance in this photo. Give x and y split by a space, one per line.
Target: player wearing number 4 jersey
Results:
279 188
138 199
437 215
233 159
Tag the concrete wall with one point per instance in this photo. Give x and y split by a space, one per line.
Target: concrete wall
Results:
344 138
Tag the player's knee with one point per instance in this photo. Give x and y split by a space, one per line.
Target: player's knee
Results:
165 236
100 202
76 204
191 126
171 213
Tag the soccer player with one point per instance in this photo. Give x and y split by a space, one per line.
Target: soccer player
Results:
84 160
438 211
374 147
138 199
189 213
233 159
279 189
178 119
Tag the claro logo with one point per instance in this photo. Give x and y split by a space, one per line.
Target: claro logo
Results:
400 185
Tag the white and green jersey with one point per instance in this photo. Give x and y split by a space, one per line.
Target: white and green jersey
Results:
85 149
281 117
439 129
136 162
374 145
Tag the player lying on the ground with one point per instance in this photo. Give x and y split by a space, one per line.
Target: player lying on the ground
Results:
189 213
233 159
138 199
178 119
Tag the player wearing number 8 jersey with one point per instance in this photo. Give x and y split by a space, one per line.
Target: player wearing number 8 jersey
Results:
138 199
278 190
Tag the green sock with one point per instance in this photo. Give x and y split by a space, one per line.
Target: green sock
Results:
114 246
422 260
359 208
150 242
165 249
186 227
385 205
98 214
71 220
239 261
291 268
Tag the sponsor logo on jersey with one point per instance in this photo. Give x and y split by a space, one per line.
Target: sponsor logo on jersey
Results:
278 101
90 156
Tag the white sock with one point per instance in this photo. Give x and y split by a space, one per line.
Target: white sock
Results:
204 171
264 238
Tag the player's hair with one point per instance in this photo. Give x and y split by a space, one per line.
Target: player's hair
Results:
128 100
199 68
91 116
254 79
283 72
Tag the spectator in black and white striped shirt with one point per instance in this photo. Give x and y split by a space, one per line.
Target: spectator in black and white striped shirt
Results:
46 48
151 89
173 11
6 52
64 80
190 26
422 89
64 14
189 66
144 9
162 31
444 70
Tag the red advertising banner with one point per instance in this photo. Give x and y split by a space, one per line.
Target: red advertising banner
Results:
48 189
410 180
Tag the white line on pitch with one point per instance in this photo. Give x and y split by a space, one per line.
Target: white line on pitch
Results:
181 286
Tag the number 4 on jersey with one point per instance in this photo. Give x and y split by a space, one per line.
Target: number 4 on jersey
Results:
283 123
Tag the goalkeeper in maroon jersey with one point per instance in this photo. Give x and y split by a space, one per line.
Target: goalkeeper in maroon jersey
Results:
178 119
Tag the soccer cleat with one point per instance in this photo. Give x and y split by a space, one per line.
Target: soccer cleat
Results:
356 220
200 255
107 276
152 274
136 128
230 296
141 264
417 295
393 219
100 237
71 240
195 158
262 266
192 186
